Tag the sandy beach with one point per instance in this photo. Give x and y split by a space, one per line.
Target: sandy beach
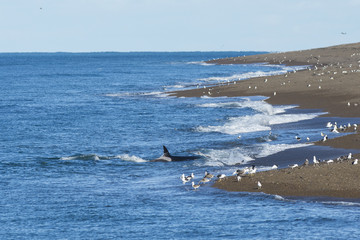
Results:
331 84
337 179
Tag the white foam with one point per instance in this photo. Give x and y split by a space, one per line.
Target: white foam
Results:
278 197
82 157
260 106
247 75
357 204
267 149
130 158
136 94
255 123
242 76
200 63
243 155
216 157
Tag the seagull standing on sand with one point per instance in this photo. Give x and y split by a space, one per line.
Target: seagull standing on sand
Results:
355 162
252 170
315 161
274 166
221 176
349 156
259 185
238 178
294 166
325 138
306 162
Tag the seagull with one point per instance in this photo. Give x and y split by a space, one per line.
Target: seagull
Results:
184 179
349 156
252 170
325 138
195 186
238 172
306 162
205 180
329 125
238 178
294 166
221 176
334 130
191 176
259 185
297 138
329 161
355 162
315 160
308 139
208 175
274 166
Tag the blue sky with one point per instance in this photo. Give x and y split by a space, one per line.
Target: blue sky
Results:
176 25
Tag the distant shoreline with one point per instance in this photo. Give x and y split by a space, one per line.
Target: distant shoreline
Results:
331 84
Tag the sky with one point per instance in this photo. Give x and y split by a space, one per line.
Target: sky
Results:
176 25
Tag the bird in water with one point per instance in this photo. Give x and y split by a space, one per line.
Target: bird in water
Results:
195 186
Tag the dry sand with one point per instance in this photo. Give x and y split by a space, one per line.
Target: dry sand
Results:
331 84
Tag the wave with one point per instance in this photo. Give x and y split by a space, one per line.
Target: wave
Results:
244 155
137 94
267 115
94 157
259 106
130 158
255 123
247 75
202 63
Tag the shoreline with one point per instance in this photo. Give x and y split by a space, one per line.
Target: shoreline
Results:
320 180
330 84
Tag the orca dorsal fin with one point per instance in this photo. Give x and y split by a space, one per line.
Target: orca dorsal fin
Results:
166 152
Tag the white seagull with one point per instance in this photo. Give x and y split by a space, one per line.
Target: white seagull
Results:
195 186
238 178
315 161
252 170
294 166
184 179
349 156
221 176
355 162
259 185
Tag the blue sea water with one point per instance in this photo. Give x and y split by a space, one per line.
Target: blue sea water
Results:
78 131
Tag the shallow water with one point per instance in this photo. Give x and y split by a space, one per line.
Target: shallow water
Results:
78 131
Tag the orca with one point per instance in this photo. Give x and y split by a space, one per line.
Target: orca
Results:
167 157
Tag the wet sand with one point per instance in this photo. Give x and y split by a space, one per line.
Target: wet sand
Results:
338 180
331 84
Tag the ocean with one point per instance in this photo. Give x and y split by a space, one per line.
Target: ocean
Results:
78 131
